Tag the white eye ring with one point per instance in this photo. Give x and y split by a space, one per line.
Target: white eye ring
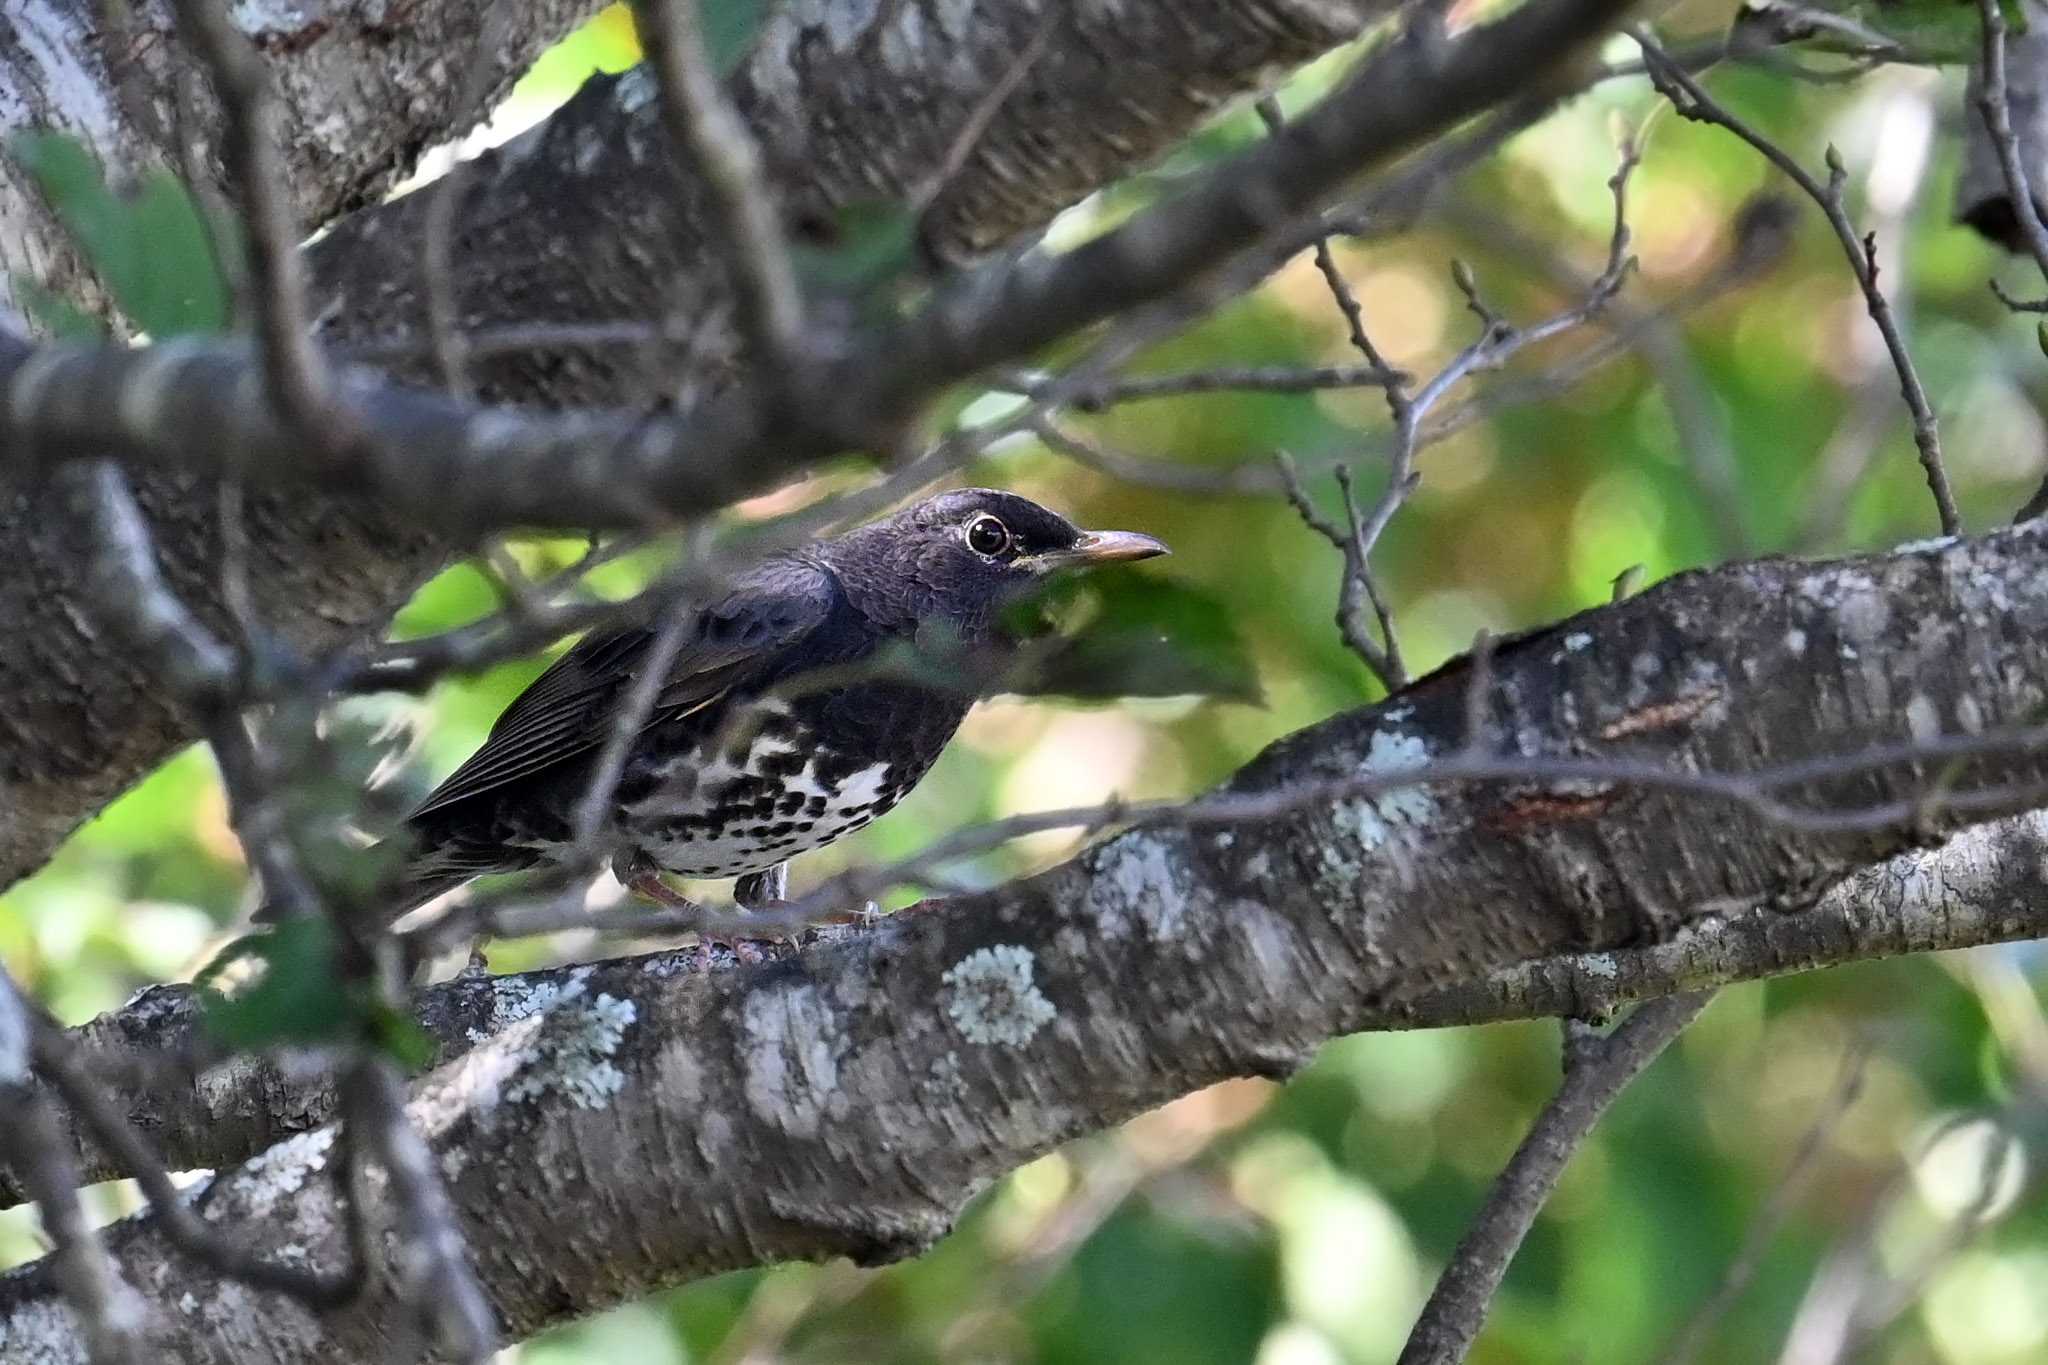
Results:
987 536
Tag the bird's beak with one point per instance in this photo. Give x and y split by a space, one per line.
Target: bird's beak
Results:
1100 547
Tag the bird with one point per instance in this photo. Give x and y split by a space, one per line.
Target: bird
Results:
773 731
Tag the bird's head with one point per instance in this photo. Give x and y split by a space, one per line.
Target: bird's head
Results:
958 556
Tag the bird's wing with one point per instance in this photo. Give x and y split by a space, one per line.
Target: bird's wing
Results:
573 705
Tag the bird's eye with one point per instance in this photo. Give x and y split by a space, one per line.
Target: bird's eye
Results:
987 536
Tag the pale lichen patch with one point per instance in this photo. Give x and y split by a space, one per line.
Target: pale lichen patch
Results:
41 1332
281 1170
1576 641
992 999
514 998
1921 547
1372 820
572 1057
790 1056
1136 882
1923 722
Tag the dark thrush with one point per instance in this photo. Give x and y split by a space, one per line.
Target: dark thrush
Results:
774 732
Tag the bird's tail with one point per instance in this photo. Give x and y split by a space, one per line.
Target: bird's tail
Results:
425 878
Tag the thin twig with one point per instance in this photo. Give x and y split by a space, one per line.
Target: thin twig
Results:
32 1142
1109 393
1175 475
293 370
1755 791
435 1278
747 229
1357 584
1994 105
651 677
59 1062
1691 100
1451 1319
437 262
984 113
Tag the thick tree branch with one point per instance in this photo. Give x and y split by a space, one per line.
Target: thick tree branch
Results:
851 100
849 1099
444 464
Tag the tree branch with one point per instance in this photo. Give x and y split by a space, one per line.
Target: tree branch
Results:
1451 1319
850 100
845 1101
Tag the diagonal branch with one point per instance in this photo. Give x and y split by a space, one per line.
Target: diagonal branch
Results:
1692 101
1451 1319
456 467
840 1101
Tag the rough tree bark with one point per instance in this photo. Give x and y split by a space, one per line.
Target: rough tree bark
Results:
848 1100
854 99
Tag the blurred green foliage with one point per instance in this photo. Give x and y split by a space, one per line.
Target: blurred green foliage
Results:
1301 1225
151 248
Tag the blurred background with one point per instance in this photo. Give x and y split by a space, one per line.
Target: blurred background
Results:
1863 1143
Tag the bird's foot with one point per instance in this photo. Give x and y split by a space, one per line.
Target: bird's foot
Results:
645 881
829 924
767 893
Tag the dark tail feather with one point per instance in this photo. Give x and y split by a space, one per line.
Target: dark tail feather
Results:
427 877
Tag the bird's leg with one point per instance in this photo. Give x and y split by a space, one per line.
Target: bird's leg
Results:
763 890
767 892
644 879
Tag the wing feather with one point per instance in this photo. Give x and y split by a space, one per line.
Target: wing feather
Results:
571 707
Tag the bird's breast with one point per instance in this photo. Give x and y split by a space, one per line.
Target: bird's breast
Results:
781 777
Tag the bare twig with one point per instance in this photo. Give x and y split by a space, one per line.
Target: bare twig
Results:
1357 584
32 1142
1456 1309
1995 107
1109 393
705 128
1755 791
438 232
58 1061
122 580
1180 476
294 372
1498 341
434 1275
632 716
1692 101
985 110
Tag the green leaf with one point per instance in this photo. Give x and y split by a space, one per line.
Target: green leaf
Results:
151 249
300 995
730 27
69 177
1136 635
180 291
1937 32
399 1036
